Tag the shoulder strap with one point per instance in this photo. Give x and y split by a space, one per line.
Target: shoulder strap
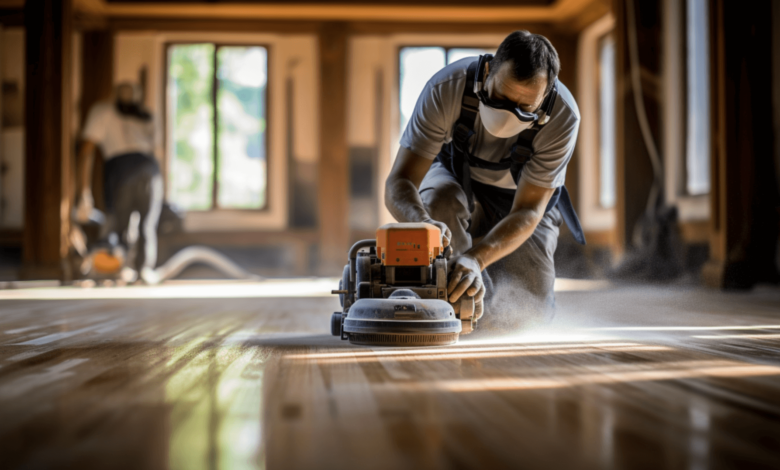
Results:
469 108
522 151
464 129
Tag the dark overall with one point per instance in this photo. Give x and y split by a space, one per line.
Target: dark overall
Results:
519 287
132 183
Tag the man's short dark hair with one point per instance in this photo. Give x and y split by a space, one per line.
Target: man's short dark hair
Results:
530 55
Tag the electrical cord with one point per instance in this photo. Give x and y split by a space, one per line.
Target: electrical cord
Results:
641 113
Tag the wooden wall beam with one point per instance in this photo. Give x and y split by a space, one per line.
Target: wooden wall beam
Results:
309 26
97 68
744 222
97 83
566 45
10 18
48 153
333 166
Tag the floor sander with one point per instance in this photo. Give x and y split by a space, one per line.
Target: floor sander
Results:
107 261
394 291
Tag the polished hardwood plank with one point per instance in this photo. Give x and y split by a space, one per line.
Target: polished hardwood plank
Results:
233 376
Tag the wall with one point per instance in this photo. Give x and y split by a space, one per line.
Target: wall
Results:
12 134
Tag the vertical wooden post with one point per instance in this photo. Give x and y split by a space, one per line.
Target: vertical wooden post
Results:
334 153
48 152
744 222
97 83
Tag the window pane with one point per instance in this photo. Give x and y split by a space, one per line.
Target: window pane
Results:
190 128
607 190
698 138
242 78
455 54
418 64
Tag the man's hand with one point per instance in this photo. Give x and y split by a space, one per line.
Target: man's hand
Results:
465 277
85 206
446 234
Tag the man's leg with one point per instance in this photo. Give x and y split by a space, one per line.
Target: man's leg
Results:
520 286
446 202
150 217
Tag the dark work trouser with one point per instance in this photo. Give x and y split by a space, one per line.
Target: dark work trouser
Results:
519 287
133 184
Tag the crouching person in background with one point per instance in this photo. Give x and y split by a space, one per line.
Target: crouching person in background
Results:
133 186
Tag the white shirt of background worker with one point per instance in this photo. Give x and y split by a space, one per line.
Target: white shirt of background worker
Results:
115 134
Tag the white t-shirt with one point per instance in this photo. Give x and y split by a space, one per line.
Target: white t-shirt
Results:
117 134
438 107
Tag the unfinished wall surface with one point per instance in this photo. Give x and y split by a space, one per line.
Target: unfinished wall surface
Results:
12 138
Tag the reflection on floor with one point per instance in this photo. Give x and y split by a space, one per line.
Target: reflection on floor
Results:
240 376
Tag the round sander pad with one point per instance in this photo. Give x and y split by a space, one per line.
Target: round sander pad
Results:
403 319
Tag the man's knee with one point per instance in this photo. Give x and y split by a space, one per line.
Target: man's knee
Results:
446 202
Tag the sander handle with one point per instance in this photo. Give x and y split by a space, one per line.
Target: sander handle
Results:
353 252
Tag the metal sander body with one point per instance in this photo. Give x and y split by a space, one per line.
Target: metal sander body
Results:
394 291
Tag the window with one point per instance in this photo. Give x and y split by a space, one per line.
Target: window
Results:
606 91
216 126
697 161
418 65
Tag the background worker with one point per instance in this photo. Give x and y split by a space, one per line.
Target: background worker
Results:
500 211
124 131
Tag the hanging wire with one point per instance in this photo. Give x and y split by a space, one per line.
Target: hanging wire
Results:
641 112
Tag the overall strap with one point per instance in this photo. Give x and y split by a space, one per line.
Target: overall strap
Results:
522 151
462 160
464 130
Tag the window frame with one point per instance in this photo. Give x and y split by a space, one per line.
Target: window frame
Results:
674 116
400 47
167 45
599 222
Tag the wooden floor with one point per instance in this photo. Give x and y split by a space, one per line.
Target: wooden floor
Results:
233 376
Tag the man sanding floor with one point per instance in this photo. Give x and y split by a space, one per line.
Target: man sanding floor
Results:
484 158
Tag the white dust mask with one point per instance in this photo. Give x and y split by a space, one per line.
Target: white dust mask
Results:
500 122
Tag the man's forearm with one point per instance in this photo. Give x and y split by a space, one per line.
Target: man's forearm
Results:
403 201
507 236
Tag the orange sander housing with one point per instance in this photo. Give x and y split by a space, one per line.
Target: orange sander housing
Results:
394 291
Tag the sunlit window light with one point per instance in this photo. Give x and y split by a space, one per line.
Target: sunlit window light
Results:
217 93
418 64
698 136
607 127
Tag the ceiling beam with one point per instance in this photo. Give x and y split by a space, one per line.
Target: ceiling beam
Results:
560 11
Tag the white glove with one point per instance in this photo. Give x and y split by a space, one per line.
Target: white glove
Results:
85 206
446 234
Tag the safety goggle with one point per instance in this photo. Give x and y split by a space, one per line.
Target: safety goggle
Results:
542 115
